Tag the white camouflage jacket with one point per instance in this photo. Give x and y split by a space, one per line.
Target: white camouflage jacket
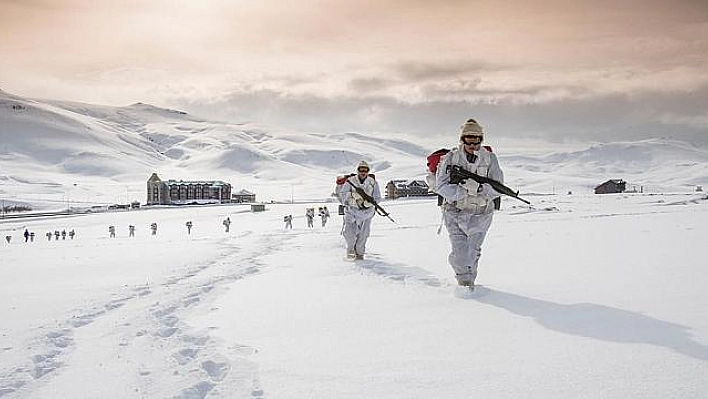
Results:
457 198
355 205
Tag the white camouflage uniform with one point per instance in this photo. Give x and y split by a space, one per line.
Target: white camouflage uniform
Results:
358 212
467 215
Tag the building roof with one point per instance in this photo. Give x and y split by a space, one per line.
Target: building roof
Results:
244 192
421 183
197 182
154 178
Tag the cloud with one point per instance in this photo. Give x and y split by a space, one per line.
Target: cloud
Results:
601 118
410 65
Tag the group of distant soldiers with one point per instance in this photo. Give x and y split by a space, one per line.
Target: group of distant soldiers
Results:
29 235
322 211
153 228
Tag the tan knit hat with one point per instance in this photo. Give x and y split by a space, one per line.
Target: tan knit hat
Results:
471 128
363 164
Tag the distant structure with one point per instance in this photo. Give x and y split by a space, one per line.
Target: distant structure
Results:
180 192
612 186
404 188
243 196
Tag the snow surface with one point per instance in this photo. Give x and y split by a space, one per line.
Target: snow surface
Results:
583 296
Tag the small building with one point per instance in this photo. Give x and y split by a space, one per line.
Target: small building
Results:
243 196
404 188
612 186
396 188
180 192
257 207
418 188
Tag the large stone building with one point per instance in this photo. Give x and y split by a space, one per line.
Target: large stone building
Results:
404 188
180 192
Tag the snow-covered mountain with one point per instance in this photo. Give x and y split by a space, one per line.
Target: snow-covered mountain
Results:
61 151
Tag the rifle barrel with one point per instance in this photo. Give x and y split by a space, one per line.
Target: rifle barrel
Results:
498 186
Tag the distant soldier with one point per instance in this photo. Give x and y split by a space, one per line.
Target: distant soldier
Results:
32 236
310 216
288 219
189 227
26 234
49 236
56 235
131 231
63 234
8 239
112 231
324 214
153 228
72 233
227 223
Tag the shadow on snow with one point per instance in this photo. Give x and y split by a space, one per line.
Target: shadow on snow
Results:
600 322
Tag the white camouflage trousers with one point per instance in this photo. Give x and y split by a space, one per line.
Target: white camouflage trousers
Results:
467 232
356 232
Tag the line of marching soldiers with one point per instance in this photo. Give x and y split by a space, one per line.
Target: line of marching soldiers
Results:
30 235
323 213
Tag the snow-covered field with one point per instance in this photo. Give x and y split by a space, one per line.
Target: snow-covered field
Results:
584 296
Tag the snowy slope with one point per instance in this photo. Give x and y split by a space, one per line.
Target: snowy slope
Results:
61 152
63 143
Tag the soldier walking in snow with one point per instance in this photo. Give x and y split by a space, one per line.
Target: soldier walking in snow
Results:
131 231
26 234
63 234
324 214
49 236
153 228
310 216
8 239
56 235
112 231
32 236
468 207
288 219
189 227
358 211
72 233
227 224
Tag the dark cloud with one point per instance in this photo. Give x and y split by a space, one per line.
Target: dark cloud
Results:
421 71
367 85
608 118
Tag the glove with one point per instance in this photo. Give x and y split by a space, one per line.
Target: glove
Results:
471 186
486 190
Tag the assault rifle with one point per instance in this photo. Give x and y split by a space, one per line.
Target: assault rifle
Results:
370 199
458 175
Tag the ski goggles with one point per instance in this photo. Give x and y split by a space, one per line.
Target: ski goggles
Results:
363 170
471 140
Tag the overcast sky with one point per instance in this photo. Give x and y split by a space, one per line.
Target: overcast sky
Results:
597 70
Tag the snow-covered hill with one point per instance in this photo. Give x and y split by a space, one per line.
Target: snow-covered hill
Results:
56 152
